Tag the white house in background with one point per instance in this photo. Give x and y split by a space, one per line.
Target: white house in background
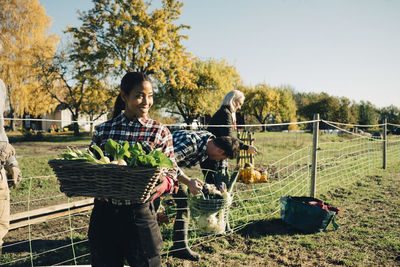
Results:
63 114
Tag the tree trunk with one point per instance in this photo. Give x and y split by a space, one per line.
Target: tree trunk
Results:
12 121
76 125
13 117
263 128
76 129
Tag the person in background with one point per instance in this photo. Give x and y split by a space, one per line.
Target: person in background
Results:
192 148
225 116
10 174
121 229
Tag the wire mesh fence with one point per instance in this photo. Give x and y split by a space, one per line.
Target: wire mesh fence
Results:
343 157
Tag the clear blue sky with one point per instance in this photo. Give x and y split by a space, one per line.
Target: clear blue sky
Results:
345 48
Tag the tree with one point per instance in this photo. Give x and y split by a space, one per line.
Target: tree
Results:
98 99
391 113
23 31
324 104
212 79
75 84
287 107
338 109
345 112
302 101
270 104
124 36
262 102
367 113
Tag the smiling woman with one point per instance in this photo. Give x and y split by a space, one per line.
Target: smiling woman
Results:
120 222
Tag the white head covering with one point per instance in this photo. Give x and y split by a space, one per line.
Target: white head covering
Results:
3 94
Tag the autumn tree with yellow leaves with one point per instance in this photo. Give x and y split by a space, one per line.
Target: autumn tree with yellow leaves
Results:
75 85
23 36
270 104
124 35
211 78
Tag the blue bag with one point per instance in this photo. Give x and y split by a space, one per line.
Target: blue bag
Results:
307 214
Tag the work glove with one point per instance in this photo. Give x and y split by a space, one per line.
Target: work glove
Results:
6 152
14 176
167 185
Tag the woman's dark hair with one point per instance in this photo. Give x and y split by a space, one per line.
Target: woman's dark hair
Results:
229 145
128 82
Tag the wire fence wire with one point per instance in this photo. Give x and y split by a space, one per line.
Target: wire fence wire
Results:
286 157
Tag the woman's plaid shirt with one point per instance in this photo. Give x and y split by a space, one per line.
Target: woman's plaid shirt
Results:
150 133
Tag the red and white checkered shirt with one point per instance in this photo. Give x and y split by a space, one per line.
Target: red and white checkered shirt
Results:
149 133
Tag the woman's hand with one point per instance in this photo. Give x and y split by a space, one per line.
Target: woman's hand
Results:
252 150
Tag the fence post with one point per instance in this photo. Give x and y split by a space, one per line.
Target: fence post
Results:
384 144
314 155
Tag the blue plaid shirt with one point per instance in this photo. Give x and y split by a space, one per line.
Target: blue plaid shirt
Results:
150 133
191 148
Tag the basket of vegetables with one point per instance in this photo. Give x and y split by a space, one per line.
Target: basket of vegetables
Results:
132 175
210 208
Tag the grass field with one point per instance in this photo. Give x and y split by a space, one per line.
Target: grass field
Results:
368 235
349 177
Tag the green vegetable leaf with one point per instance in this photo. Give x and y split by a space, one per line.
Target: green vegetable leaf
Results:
112 148
161 159
123 151
90 158
98 150
146 161
66 155
136 150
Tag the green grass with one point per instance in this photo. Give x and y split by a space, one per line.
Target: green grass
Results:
62 137
368 234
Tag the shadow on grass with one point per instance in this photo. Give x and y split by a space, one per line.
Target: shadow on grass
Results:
261 228
45 253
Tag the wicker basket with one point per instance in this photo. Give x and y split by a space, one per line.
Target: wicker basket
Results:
82 178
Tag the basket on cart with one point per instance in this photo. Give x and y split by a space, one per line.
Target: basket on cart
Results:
83 178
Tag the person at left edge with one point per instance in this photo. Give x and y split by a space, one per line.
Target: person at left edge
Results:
10 174
120 229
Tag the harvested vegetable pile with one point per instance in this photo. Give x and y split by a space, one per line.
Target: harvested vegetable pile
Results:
122 153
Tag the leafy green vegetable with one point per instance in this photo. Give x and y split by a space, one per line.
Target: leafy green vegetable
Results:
161 159
147 160
117 150
98 150
136 150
